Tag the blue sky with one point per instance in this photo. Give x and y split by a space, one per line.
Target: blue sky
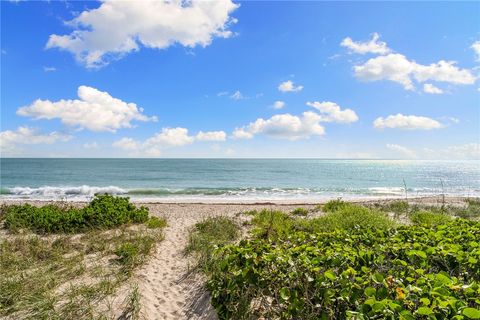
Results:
350 80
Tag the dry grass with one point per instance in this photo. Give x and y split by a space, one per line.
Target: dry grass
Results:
72 276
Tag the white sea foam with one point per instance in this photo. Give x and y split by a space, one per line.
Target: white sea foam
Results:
387 190
56 192
85 193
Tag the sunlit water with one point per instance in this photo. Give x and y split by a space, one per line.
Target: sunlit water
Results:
235 179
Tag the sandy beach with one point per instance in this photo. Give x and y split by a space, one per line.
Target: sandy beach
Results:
168 287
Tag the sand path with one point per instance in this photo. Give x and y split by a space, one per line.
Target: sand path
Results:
169 290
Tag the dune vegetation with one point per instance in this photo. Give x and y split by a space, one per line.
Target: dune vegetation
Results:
64 262
389 261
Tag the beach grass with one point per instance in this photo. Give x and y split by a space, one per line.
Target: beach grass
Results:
51 270
209 234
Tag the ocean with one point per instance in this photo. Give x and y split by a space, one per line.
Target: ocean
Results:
234 179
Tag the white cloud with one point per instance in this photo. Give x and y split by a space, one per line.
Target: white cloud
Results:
237 95
117 28
443 71
221 94
278 104
400 121
170 137
289 86
49 69
91 145
94 110
394 67
397 68
331 112
371 46
167 137
126 144
242 133
476 48
430 88
9 140
211 136
402 151
284 126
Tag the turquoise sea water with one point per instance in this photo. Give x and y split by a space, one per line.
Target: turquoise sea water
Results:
235 179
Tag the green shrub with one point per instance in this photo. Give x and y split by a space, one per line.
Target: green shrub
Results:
346 217
429 218
103 212
409 272
45 219
272 224
300 212
334 205
106 211
156 222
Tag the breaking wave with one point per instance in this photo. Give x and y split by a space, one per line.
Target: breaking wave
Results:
249 193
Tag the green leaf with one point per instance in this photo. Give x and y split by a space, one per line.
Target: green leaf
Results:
377 277
471 313
378 306
330 275
424 311
285 293
370 291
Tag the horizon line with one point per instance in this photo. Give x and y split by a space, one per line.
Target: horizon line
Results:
233 158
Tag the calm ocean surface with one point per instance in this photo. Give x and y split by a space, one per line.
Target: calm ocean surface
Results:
234 179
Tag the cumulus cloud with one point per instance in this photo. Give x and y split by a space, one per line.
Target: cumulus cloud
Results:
331 112
371 46
476 48
284 126
289 86
211 136
10 140
170 137
291 127
397 68
94 110
126 144
167 137
402 151
400 121
117 28
430 88
278 104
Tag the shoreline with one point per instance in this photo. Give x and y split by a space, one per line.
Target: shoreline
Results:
248 202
